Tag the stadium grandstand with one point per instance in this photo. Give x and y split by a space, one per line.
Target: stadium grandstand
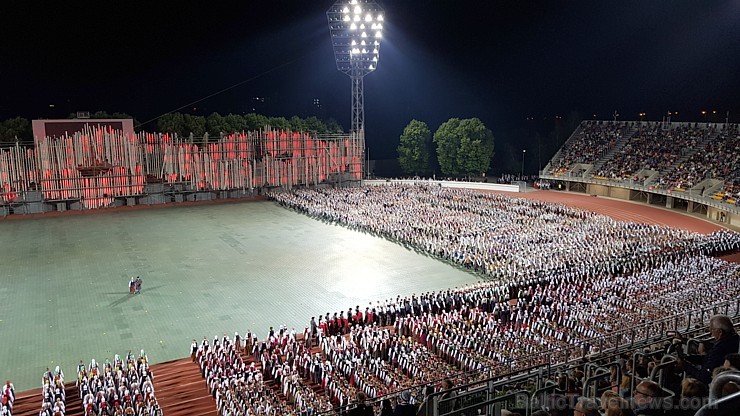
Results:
571 311
690 165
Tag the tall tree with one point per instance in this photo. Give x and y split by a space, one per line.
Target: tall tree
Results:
195 125
464 146
297 124
413 151
333 126
216 124
172 123
255 122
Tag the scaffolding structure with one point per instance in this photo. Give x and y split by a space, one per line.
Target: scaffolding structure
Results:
95 166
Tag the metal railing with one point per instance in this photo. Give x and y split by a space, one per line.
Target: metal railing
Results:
629 340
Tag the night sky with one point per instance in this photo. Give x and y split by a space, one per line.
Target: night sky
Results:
500 61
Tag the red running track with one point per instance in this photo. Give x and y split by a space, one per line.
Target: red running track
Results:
631 211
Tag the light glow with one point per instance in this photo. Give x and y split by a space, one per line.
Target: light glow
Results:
352 23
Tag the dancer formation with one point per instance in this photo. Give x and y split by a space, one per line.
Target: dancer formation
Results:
557 278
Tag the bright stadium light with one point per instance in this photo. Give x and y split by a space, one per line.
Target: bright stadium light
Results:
352 23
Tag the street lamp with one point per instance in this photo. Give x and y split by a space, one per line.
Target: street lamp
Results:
356 28
524 152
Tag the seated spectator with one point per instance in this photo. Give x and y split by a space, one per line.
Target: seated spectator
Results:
726 342
732 361
385 408
404 407
693 393
362 408
586 407
646 399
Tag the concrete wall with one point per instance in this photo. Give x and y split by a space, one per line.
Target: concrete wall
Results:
596 189
620 193
724 217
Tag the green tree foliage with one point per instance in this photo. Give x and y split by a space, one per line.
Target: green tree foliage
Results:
464 147
195 125
172 123
297 124
234 123
15 128
413 151
333 126
255 122
215 124
279 123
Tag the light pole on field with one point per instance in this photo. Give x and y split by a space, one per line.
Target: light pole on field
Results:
356 28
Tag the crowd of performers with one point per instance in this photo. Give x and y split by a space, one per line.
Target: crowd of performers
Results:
562 277
502 237
121 387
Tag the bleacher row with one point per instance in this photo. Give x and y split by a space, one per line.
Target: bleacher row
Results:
667 156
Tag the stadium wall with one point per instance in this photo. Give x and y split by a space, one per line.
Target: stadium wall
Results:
714 210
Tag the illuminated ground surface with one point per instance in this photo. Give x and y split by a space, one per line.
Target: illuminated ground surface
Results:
207 270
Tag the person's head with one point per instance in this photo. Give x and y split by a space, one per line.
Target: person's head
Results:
360 397
586 407
720 326
386 404
617 406
691 387
404 397
729 388
646 394
732 361
607 397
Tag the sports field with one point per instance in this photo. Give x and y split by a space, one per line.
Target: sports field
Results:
208 269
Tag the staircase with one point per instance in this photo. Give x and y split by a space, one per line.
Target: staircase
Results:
178 387
619 145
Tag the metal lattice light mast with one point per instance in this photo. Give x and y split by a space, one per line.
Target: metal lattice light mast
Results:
356 28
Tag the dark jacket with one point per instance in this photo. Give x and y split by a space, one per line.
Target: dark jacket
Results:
714 358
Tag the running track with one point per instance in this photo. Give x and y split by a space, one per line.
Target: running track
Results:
630 211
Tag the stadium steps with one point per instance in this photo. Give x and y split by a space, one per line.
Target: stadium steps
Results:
180 389
178 386
617 147
28 403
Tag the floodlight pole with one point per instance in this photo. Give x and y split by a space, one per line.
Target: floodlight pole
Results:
358 100
356 30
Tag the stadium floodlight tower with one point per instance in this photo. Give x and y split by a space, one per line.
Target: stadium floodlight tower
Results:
356 28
